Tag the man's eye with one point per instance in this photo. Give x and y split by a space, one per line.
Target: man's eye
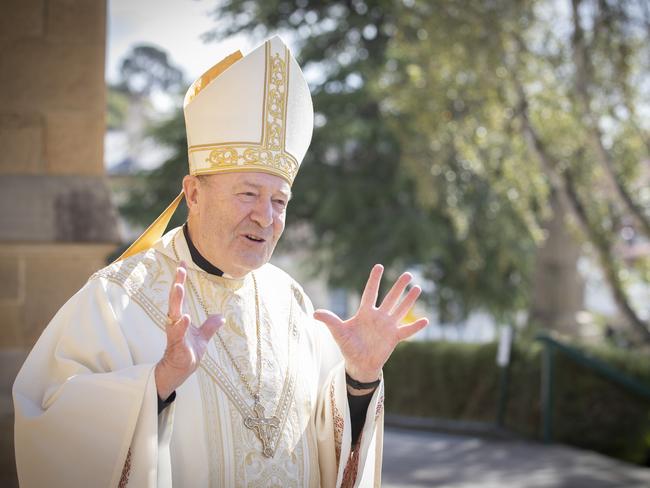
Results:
248 194
281 203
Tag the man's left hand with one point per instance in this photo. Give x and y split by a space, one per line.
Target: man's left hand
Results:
369 337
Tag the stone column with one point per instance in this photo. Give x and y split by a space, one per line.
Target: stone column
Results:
57 223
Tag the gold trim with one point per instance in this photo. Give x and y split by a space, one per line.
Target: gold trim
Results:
269 155
287 64
220 378
380 407
205 147
134 277
154 232
122 278
338 425
206 78
126 471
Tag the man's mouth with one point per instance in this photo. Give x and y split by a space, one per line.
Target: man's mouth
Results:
254 238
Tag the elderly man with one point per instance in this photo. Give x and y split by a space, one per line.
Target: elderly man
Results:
125 388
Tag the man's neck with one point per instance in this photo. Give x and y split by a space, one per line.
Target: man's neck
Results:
197 257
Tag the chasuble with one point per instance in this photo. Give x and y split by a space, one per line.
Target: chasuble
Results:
86 400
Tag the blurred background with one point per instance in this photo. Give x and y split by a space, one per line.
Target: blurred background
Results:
499 150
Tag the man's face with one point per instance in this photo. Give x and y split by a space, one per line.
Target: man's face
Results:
236 219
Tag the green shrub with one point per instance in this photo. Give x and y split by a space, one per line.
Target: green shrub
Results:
461 382
593 412
448 380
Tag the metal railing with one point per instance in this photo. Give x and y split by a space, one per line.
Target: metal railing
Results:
551 347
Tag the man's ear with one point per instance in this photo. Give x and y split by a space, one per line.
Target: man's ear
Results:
191 186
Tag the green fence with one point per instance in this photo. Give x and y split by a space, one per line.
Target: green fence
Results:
590 362
594 398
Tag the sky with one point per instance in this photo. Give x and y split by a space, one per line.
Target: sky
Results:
173 25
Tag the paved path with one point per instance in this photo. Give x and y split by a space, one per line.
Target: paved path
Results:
416 459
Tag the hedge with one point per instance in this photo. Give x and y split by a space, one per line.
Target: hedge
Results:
461 382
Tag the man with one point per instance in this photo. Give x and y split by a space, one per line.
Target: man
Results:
125 387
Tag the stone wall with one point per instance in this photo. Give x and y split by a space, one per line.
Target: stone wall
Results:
57 224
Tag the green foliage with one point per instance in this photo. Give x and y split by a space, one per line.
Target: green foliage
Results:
460 381
359 190
594 413
117 103
420 155
146 69
445 380
151 191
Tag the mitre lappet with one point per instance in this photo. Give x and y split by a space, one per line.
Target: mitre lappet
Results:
246 113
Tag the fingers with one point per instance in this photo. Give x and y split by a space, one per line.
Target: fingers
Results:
330 319
211 325
408 330
369 297
400 311
327 317
176 296
395 292
177 293
181 273
178 329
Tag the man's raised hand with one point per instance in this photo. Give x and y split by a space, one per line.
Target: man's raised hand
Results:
185 345
369 337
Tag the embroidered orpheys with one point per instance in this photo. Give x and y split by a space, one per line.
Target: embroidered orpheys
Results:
337 423
270 153
131 276
126 471
276 101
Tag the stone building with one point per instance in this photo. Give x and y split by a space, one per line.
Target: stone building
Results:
57 224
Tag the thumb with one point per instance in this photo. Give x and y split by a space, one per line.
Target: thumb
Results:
211 325
330 319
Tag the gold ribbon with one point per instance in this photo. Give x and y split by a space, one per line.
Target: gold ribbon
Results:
155 231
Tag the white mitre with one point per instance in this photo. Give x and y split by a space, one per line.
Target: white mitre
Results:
246 113
256 115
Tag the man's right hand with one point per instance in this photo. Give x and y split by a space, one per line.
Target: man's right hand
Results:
185 344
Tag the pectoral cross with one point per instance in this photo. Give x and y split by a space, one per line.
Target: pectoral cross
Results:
263 427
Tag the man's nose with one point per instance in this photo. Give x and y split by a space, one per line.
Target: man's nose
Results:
263 213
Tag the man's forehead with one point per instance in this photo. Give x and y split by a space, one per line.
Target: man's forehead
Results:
260 180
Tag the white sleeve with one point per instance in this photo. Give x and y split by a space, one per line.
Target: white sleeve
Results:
85 411
340 466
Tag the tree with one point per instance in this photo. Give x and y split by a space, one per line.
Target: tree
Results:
376 209
147 69
446 132
531 107
144 71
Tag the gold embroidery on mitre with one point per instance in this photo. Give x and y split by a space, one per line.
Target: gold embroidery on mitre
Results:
269 155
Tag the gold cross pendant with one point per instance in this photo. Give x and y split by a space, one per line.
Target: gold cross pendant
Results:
263 427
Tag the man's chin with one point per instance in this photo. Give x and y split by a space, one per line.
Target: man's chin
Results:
249 264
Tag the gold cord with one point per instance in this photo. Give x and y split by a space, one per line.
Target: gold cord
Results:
255 394
266 428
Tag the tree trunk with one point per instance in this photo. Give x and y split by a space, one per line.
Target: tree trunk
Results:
558 289
563 185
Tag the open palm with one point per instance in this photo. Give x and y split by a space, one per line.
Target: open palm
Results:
368 338
185 345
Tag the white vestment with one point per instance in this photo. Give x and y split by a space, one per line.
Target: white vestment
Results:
86 401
